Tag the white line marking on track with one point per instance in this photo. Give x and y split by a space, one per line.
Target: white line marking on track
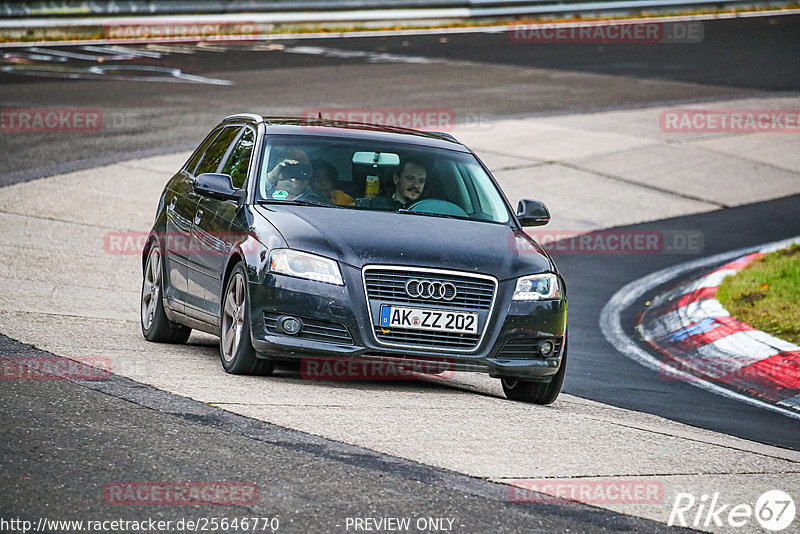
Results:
370 57
123 50
130 73
611 322
75 55
172 48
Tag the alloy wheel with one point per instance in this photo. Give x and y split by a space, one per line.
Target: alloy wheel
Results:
233 317
151 291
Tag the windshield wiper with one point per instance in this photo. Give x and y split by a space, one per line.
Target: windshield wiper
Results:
299 202
428 213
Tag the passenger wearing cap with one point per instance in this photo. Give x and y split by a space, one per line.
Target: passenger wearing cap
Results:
289 179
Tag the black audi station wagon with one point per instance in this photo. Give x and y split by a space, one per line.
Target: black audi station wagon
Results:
295 238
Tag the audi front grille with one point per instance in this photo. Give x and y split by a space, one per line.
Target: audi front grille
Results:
428 288
390 285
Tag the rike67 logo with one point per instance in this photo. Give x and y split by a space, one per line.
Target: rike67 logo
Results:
774 510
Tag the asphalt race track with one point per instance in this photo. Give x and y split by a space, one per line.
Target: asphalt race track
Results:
617 382
478 76
62 441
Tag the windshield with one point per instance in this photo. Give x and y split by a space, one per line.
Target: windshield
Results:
371 175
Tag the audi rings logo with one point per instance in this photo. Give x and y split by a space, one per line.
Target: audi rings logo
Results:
425 289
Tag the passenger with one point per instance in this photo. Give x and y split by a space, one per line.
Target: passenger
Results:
323 177
409 182
289 179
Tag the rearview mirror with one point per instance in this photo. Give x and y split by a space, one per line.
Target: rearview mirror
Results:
532 213
376 159
216 185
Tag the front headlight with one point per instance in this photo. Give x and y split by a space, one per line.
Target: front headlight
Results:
538 287
305 265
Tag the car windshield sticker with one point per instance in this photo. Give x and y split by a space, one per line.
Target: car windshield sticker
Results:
280 194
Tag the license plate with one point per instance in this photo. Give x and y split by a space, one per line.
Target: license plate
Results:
428 319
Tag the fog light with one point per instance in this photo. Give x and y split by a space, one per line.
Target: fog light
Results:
291 326
546 349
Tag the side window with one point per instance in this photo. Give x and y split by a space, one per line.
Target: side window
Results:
198 155
239 160
213 156
493 205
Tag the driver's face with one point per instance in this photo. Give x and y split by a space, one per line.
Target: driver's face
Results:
293 186
410 183
295 173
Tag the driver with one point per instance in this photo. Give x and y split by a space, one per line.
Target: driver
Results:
409 182
289 179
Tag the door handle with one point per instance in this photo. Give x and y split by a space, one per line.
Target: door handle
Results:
171 205
198 216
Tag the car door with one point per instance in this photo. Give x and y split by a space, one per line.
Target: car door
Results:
208 245
239 166
181 201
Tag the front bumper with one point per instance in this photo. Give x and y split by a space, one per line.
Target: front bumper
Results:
337 324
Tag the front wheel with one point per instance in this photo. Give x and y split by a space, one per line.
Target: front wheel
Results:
537 392
235 349
155 324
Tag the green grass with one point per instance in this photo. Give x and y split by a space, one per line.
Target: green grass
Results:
766 295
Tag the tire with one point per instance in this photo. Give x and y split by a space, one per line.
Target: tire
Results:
235 349
537 392
156 326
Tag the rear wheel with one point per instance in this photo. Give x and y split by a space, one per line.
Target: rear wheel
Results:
155 324
235 349
537 392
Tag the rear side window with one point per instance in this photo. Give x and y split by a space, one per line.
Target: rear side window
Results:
198 155
239 160
216 152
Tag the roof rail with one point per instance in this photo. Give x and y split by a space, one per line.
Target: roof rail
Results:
446 135
250 116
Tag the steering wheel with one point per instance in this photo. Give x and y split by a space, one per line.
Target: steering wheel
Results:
441 207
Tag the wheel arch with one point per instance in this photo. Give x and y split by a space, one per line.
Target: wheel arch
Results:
233 260
151 239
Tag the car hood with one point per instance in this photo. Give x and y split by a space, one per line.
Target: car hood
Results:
362 237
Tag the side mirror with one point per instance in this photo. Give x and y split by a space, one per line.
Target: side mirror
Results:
216 185
532 213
